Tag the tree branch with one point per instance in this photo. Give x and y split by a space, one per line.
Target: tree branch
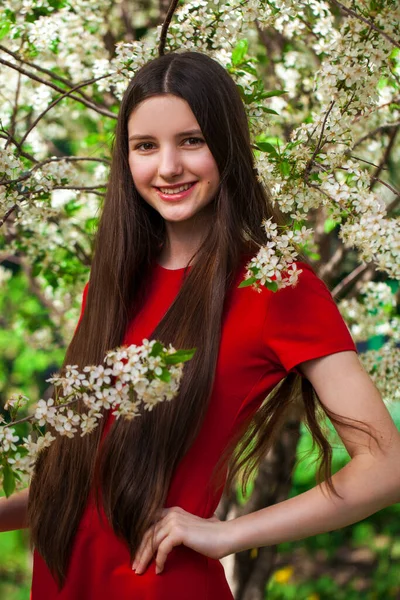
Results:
51 160
166 24
91 105
319 144
56 101
353 13
349 279
42 70
371 134
8 213
385 157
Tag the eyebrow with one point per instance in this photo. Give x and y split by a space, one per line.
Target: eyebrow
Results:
142 136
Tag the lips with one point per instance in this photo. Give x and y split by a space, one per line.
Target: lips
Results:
177 196
178 185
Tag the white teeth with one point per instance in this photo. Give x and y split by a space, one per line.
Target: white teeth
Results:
182 188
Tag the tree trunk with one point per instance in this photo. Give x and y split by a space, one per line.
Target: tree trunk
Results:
248 572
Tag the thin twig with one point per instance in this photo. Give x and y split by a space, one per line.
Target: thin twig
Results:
88 188
8 213
372 133
386 155
353 13
166 24
102 111
8 136
43 70
364 161
51 160
31 417
319 144
15 109
56 101
390 187
349 279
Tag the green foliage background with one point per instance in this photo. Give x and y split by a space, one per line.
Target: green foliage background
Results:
378 536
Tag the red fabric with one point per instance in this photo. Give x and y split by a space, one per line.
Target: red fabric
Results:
264 336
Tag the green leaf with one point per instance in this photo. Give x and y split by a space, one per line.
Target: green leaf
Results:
8 480
4 29
179 357
271 285
156 349
284 168
239 51
91 224
266 147
165 376
247 282
274 93
329 225
37 268
72 207
269 110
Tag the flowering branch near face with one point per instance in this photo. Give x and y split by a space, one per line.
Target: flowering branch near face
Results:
132 376
304 173
331 87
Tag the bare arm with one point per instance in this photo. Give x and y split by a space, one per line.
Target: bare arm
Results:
368 483
14 511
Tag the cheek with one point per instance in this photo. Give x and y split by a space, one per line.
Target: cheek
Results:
206 167
141 171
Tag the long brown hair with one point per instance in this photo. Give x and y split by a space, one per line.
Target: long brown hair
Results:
136 461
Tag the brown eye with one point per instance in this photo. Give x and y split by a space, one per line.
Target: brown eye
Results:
197 141
139 146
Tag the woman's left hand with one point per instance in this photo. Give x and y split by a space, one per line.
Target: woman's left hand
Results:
175 527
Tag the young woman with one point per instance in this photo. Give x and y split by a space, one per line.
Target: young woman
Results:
127 512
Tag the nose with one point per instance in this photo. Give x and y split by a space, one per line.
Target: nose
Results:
170 163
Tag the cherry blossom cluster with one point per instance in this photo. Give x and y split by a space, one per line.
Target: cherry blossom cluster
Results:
383 366
305 173
131 378
372 313
333 86
274 266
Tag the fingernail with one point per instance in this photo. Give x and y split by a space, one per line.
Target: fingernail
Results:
157 570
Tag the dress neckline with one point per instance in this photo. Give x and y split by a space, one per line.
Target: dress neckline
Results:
165 270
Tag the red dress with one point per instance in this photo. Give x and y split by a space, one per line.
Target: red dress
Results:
264 336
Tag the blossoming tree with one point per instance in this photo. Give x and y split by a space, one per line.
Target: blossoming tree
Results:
320 83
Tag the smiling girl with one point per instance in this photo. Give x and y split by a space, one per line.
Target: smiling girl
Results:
128 511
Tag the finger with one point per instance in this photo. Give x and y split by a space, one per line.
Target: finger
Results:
149 550
164 549
143 544
144 560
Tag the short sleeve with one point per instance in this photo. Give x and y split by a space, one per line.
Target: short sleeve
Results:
83 304
303 322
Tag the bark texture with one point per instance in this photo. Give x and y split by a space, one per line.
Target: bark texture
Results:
248 572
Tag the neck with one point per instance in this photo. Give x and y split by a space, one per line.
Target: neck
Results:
182 242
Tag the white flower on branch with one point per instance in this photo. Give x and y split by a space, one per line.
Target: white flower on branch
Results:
143 375
65 424
45 412
8 439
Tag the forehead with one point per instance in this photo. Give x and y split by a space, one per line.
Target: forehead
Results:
161 115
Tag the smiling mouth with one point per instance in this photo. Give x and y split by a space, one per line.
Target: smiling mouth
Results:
179 189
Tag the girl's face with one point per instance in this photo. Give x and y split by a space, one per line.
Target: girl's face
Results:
166 152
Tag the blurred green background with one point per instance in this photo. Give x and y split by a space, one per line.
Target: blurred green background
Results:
357 562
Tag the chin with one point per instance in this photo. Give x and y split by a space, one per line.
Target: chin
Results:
175 217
